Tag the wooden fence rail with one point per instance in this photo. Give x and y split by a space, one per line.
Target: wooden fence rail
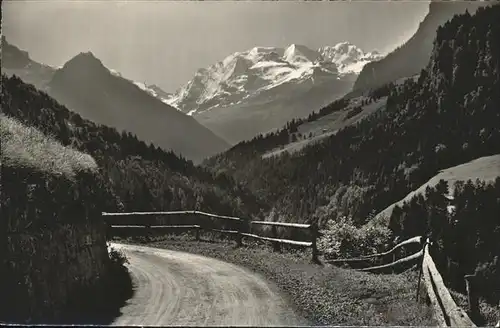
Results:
446 311
413 240
242 227
283 224
366 258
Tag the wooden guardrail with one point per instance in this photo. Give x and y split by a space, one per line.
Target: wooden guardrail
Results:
446 311
393 264
243 228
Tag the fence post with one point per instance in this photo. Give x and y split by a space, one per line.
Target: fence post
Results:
314 246
107 227
239 236
276 245
421 267
498 323
472 296
148 231
197 233
393 269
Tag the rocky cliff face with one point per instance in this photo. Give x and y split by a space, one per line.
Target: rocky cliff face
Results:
414 55
18 62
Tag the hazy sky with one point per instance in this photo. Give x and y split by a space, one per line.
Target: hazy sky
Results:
165 42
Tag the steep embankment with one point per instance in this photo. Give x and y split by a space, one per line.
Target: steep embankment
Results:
411 57
54 255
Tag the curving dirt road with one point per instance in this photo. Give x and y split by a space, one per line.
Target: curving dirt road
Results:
182 289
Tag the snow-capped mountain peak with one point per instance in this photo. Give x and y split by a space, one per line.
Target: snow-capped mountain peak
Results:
247 75
348 57
301 54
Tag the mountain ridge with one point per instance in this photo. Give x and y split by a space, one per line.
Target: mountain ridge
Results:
18 62
86 86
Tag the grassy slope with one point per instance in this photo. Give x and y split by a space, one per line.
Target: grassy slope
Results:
485 168
24 146
324 295
328 125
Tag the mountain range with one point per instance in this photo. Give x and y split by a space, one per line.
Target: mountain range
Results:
87 87
246 94
258 90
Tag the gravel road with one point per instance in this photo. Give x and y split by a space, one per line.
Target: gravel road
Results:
183 289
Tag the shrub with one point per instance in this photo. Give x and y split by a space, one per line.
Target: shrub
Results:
118 259
342 238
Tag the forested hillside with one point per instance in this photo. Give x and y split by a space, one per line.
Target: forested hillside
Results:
466 234
448 116
140 176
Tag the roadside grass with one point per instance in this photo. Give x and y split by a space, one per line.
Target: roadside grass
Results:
322 294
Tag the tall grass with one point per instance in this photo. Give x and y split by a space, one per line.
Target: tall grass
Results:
26 147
